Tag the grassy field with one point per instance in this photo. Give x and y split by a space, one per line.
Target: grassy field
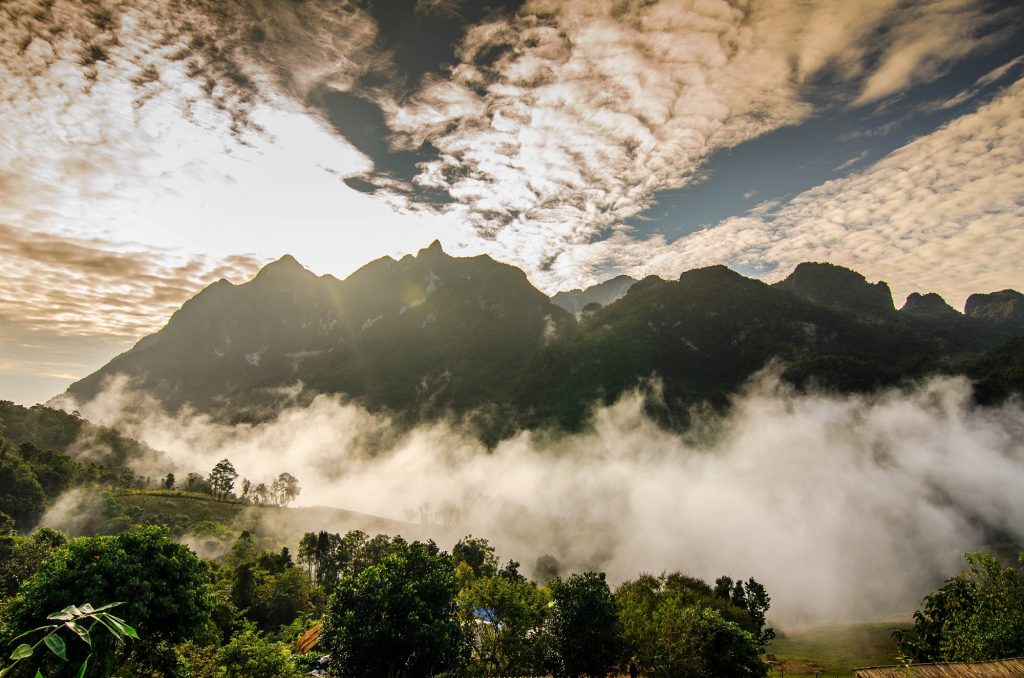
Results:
186 511
833 650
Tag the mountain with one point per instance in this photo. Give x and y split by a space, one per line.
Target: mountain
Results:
929 306
433 335
838 287
704 334
427 333
574 301
1006 307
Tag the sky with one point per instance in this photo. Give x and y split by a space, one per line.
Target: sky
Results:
151 147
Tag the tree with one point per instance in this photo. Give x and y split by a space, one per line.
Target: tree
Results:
249 655
754 599
21 495
478 554
246 490
166 590
20 557
698 642
507 616
585 626
222 478
197 483
674 626
976 616
398 617
260 494
169 481
285 489
54 470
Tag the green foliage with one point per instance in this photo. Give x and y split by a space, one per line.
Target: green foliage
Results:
674 626
285 489
77 623
21 495
506 616
250 655
977 615
478 554
50 429
21 557
754 599
328 556
164 585
54 471
197 660
398 617
40 425
222 478
585 626
266 587
698 643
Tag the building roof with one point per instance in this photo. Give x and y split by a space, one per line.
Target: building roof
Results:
998 668
308 640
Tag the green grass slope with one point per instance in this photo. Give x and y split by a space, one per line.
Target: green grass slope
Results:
833 650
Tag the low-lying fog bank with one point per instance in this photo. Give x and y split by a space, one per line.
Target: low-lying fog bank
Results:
846 508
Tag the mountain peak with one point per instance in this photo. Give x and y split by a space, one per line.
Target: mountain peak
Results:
831 285
287 265
929 305
433 249
1004 306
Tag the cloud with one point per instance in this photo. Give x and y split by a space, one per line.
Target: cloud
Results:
78 286
560 123
945 213
845 507
924 38
851 162
564 120
979 85
147 144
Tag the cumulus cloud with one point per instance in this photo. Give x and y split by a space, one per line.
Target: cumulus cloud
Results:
944 213
845 507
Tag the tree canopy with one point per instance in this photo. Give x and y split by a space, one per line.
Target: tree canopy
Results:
164 585
975 616
585 625
398 617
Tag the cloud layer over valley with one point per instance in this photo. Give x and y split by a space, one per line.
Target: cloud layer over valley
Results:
845 507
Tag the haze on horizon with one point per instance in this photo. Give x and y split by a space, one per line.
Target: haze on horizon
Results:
150 148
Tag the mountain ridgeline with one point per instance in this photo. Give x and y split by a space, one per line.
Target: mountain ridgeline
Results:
433 335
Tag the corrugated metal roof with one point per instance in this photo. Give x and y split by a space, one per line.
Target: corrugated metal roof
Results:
998 668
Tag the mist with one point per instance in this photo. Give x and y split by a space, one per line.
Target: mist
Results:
845 507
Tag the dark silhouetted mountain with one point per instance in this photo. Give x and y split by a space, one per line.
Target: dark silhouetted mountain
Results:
432 335
1001 307
838 287
427 334
575 301
929 306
